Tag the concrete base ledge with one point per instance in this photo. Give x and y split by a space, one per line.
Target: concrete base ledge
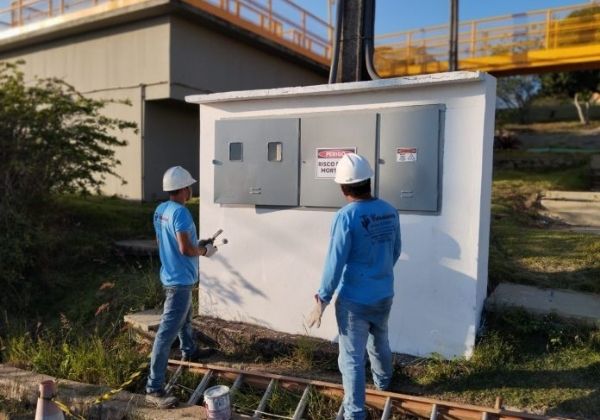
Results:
21 385
572 195
575 306
576 208
144 320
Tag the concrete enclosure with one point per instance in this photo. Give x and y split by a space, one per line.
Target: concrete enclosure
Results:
153 53
271 268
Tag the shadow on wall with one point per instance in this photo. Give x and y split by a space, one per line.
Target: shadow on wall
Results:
434 308
229 291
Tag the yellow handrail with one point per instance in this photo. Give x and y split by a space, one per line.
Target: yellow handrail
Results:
496 43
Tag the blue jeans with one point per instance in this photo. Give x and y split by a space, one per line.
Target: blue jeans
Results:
174 322
362 329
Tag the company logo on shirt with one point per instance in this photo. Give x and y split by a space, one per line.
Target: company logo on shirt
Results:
364 221
161 217
379 227
377 218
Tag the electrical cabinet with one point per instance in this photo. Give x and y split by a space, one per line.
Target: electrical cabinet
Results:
292 161
410 157
324 140
256 161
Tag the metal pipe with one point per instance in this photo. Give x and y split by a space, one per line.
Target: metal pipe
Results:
336 42
453 53
369 39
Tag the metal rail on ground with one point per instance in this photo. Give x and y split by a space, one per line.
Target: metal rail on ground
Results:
389 403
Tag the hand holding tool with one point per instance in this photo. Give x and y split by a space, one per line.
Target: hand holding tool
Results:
211 240
210 250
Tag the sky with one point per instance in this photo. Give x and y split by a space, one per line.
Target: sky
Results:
400 15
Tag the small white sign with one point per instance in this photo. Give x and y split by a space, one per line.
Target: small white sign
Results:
406 154
327 159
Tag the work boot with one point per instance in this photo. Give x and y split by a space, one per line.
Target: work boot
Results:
198 354
161 399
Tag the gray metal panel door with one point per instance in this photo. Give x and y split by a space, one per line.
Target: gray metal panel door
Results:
410 157
329 135
256 162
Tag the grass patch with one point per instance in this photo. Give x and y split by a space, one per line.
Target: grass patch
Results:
15 408
569 127
522 247
246 399
71 353
542 364
509 183
75 331
320 406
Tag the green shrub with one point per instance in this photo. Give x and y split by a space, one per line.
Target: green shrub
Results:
52 140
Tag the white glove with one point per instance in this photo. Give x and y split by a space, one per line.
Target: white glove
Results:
317 312
210 250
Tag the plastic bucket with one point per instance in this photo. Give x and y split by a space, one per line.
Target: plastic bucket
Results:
217 403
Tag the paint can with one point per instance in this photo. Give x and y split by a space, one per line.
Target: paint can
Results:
217 403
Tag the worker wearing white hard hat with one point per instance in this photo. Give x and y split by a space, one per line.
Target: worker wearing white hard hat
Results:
364 247
179 250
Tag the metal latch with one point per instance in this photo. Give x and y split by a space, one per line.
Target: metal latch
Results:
407 194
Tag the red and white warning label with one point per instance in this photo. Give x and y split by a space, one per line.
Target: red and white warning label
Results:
406 154
327 159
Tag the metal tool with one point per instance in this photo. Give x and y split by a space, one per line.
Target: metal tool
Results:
224 241
217 233
210 240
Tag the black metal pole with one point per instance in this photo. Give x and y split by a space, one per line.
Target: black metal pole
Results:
351 66
453 53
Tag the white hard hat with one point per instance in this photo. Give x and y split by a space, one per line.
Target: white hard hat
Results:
352 168
176 178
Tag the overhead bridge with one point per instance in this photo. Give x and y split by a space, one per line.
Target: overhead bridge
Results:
563 38
281 21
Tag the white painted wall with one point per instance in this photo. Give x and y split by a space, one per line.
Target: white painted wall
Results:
271 268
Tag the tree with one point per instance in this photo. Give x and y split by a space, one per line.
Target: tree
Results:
578 85
516 93
52 140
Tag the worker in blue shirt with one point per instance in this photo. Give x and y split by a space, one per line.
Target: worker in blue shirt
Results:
364 247
179 250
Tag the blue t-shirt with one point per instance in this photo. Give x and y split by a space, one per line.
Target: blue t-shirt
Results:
176 269
364 247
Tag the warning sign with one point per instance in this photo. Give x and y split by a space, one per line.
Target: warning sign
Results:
327 160
406 154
